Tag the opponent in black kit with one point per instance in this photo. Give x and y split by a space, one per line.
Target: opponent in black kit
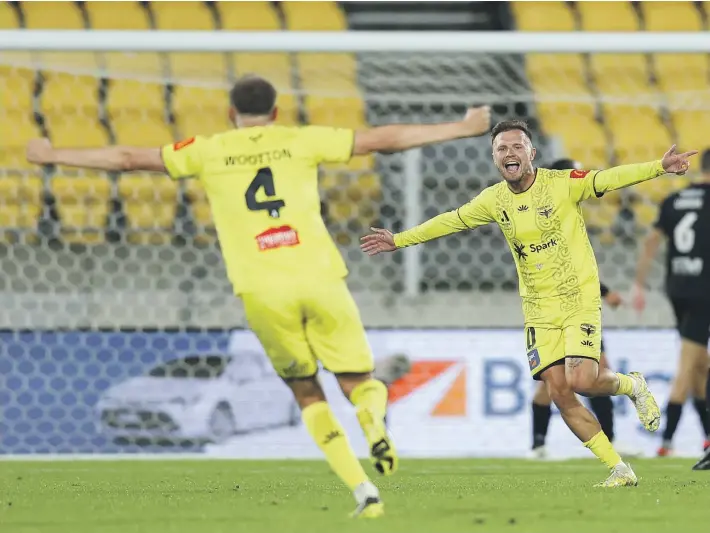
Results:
684 219
601 406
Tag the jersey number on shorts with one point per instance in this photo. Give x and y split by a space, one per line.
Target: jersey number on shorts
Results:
683 233
264 179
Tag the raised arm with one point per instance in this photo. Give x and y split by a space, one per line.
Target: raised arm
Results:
121 158
398 137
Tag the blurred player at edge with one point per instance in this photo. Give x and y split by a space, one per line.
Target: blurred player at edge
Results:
684 218
538 211
262 184
602 406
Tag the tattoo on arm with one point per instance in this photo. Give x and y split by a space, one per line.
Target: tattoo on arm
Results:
574 362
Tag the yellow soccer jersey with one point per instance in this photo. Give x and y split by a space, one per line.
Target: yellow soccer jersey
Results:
262 186
545 231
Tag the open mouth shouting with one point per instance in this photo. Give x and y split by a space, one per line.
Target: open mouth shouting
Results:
512 167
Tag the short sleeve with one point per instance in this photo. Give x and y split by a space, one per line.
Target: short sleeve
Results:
581 184
328 145
184 158
478 211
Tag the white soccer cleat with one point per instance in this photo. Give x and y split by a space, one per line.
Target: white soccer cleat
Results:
538 454
646 407
369 504
621 476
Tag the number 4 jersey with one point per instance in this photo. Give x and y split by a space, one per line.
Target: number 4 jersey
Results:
262 186
684 218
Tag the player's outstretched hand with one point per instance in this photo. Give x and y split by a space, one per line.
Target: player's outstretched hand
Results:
39 151
638 297
676 163
381 240
478 120
613 299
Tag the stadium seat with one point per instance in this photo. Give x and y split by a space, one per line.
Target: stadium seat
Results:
314 16
76 128
576 127
197 67
639 134
149 203
599 215
201 212
645 214
138 128
20 208
621 74
655 191
16 88
52 15
83 205
692 129
66 92
671 16
543 16
557 74
115 16
682 72
240 16
12 148
182 16
335 74
608 16
201 111
145 66
8 17
129 95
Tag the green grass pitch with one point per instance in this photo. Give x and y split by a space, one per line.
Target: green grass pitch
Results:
447 496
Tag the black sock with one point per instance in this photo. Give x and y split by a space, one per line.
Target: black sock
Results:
673 411
603 409
701 408
541 421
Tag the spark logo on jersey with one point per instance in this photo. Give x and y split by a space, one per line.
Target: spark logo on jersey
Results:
182 144
277 237
578 174
535 248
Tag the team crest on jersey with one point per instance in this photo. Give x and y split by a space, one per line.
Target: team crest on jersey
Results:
545 211
277 237
588 329
182 144
578 174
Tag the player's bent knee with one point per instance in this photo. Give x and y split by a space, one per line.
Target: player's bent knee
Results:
563 397
349 380
306 390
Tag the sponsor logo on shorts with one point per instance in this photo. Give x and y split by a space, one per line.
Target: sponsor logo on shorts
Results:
578 174
587 343
588 329
277 237
533 359
535 248
182 144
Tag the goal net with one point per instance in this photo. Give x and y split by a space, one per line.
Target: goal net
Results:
106 277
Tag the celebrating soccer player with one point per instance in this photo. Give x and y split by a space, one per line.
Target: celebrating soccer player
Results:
684 218
262 184
539 214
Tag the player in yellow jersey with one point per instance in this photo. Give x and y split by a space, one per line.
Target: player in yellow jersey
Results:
538 211
261 181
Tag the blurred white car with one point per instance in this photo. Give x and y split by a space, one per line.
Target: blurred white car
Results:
199 397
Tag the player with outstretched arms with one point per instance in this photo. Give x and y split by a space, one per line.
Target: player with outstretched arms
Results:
261 181
684 219
539 213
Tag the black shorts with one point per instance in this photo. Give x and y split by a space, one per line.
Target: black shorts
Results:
692 319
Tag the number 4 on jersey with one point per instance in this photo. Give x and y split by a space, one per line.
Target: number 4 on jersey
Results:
264 179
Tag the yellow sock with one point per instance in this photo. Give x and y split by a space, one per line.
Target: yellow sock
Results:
331 439
371 394
602 448
626 385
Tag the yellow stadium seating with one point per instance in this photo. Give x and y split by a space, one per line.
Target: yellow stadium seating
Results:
182 16
328 74
692 129
79 129
52 15
12 148
607 16
146 66
20 208
599 214
138 128
655 191
117 16
129 95
543 16
645 214
83 205
240 16
17 88
8 17
622 74
575 125
201 212
557 74
149 203
201 111
639 134
276 68
66 92
314 16
671 16
682 72
198 67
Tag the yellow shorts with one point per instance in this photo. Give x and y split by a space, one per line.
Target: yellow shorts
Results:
301 325
579 334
